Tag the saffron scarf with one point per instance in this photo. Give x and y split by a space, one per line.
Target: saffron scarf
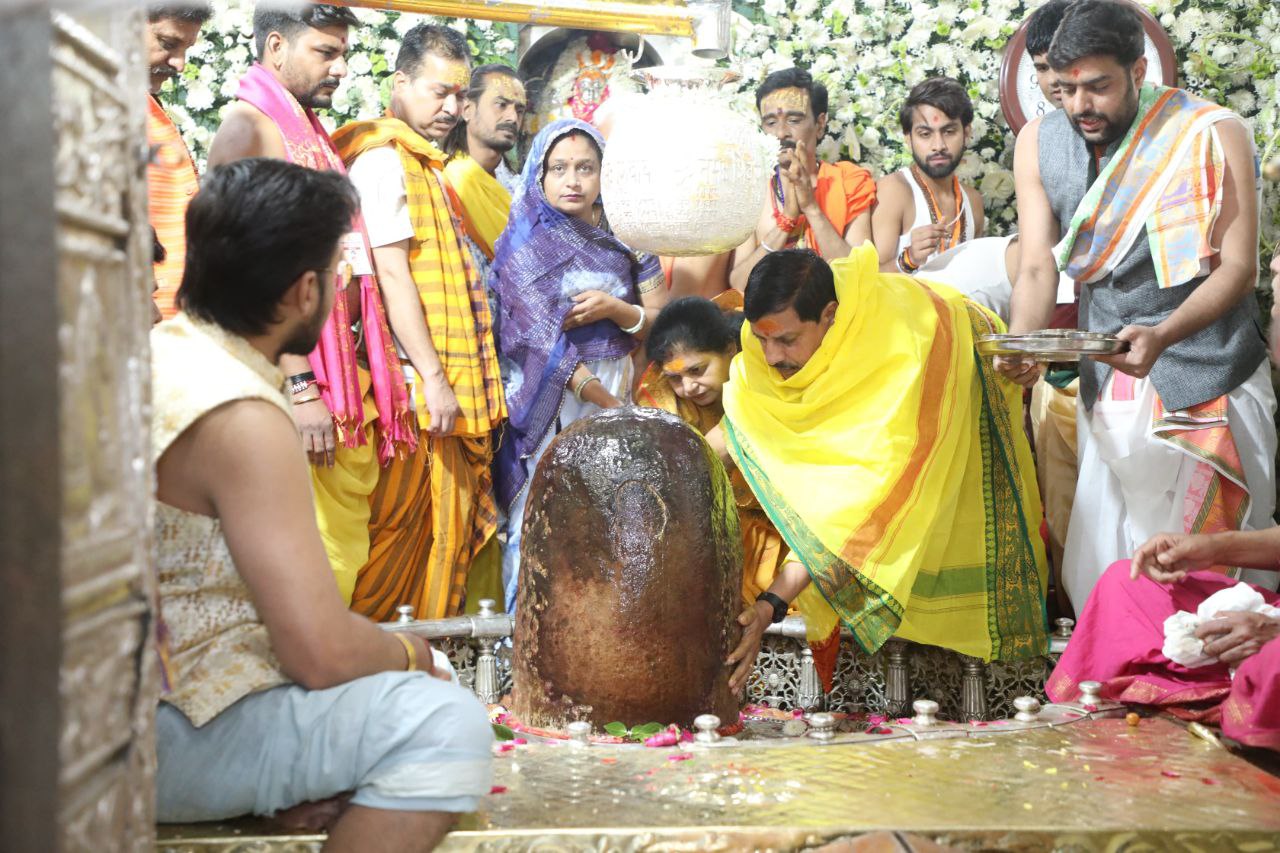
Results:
541 261
843 191
334 360
895 467
171 183
483 202
1165 176
452 295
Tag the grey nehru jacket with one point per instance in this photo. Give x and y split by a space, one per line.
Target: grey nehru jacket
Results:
1206 365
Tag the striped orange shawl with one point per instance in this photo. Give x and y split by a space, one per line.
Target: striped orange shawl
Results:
171 182
452 294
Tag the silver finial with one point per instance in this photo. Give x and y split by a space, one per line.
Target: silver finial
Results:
1063 631
1090 692
406 613
822 726
926 712
579 733
487 607
1028 709
707 725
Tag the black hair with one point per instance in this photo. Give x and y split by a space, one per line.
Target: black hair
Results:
941 93
789 278
193 11
158 251
577 131
289 20
434 39
1042 24
253 228
691 323
1097 28
456 142
794 78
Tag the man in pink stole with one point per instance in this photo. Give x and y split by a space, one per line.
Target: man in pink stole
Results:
349 398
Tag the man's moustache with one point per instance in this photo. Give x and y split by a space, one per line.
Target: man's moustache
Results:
331 82
163 71
509 127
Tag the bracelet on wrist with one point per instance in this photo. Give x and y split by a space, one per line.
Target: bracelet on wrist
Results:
639 323
409 651
905 263
577 390
775 601
298 401
300 382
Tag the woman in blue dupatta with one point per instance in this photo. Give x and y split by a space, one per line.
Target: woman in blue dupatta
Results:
573 303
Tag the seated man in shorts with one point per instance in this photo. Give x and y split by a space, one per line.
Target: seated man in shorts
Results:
280 696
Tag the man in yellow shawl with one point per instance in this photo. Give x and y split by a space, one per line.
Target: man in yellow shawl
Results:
889 456
477 173
432 511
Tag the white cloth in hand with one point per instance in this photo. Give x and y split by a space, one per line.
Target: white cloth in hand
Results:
1180 642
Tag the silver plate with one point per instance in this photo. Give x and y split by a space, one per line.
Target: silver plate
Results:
1052 344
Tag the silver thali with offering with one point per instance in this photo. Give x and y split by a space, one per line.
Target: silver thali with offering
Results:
1052 345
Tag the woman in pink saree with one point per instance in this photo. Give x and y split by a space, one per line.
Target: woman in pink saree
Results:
1121 633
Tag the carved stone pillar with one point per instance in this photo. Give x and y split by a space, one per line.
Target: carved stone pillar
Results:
897 678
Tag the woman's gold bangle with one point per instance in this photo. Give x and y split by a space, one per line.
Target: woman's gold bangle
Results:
408 650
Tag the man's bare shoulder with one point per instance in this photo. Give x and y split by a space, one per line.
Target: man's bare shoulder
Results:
892 187
245 132
245 437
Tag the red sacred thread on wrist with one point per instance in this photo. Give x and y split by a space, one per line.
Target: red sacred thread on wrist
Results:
904 261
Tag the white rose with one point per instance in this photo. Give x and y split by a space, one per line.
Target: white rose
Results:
199 96
359 64
774 8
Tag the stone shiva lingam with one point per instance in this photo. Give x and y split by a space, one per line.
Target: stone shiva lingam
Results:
630 577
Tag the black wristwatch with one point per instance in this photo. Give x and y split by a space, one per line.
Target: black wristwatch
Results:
779 606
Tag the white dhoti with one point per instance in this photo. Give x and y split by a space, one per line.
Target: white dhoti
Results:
1133 485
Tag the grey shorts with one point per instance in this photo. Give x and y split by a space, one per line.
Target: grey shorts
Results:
400 740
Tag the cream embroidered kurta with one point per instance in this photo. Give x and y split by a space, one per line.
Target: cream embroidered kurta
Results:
219 648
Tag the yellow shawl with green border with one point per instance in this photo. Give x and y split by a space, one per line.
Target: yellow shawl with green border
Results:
895 466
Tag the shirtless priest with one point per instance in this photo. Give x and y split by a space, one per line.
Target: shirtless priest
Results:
926 222
280 694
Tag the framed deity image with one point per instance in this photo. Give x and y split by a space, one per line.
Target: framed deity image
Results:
1020 97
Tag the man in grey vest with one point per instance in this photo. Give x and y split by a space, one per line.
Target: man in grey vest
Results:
1156 193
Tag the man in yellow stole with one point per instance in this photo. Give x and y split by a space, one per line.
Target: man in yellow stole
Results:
172 29
477 173
433 511
889 456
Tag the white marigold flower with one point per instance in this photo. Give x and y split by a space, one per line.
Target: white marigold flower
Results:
1242 101
199 96
774 8
359 64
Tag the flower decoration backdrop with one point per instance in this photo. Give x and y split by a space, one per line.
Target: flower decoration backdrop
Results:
869 53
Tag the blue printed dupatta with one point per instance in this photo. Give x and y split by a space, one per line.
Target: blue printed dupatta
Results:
541 261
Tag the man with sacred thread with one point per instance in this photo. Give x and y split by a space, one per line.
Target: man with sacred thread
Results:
433 509
825 207
908 529
350 404
1155 192
925 221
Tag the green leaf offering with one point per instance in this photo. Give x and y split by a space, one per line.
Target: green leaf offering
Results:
616 729
501 732
646 730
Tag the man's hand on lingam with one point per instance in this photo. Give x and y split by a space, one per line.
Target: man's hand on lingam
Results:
753 620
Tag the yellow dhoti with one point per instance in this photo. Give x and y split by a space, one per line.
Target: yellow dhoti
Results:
342 499
1053 421
429 515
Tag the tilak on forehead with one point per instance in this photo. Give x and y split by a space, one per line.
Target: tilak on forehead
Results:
675 365
767 326
456 75
506 87
784 101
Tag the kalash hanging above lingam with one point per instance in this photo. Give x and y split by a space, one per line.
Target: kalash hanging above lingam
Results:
883 468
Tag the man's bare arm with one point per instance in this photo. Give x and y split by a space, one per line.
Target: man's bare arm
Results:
244 461
745 257
245 132
706 276
886 220
1035 291
408 322
979 211
833 245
